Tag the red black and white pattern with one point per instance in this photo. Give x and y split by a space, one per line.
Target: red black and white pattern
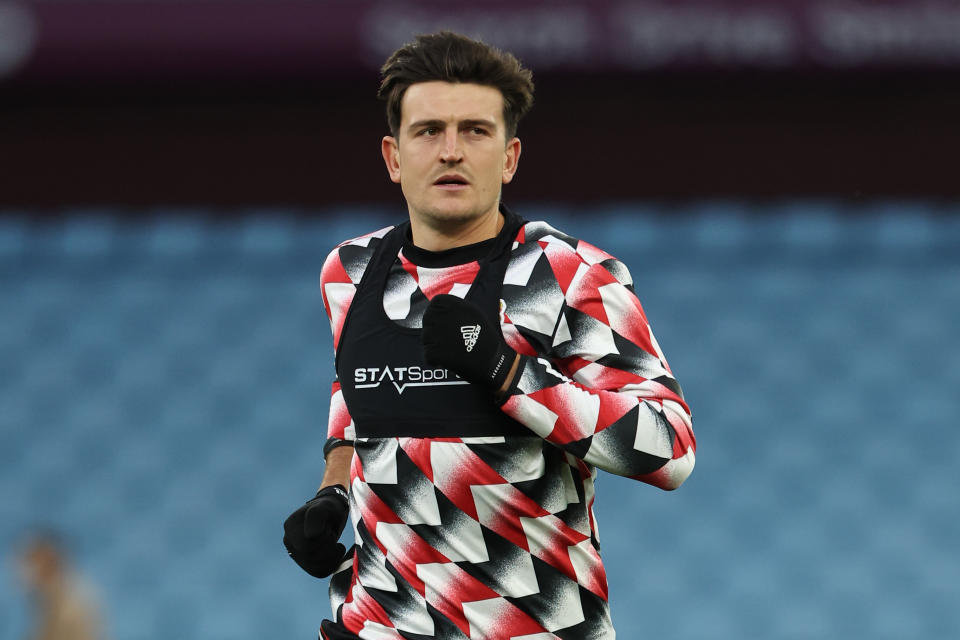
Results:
495 538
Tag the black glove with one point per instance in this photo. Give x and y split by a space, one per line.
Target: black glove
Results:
312 531
459 337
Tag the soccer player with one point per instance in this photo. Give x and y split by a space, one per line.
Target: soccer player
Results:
487 367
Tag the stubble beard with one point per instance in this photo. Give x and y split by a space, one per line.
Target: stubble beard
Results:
447 220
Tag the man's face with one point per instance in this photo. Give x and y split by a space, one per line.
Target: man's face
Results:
39 566
451 155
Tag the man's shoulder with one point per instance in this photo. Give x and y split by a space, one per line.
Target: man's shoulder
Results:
541 232
349 259
367 239
554 242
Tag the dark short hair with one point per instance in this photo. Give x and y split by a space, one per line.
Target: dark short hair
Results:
451 57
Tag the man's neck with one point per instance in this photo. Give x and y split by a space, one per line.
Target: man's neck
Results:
432 238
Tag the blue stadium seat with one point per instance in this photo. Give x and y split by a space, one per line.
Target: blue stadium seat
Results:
164 387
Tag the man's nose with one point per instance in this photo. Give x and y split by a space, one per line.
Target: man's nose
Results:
451 151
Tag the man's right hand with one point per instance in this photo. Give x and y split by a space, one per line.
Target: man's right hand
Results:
311 533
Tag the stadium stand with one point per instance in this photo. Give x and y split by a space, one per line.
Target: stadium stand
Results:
163 397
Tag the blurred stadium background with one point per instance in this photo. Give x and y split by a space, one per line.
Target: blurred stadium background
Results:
781 178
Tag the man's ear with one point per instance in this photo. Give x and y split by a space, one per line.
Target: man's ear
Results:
391 157
512 159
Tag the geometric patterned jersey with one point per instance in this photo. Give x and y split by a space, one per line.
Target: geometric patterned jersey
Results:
495 537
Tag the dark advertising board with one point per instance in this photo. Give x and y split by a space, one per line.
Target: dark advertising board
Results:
51 41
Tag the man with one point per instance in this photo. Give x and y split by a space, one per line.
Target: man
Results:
486 368
65 608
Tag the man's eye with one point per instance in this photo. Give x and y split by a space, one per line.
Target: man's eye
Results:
478 131
430 131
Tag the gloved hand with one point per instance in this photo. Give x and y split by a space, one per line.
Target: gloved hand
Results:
459 337
311 533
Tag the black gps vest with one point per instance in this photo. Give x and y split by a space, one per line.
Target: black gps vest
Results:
388 387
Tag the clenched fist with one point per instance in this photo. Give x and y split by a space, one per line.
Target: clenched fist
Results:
312 532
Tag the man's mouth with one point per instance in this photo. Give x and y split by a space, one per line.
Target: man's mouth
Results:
451 181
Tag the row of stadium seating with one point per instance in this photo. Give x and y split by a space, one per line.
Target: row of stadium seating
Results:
163 395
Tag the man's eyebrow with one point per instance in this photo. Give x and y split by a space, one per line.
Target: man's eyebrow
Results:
478 122
470 122
427 123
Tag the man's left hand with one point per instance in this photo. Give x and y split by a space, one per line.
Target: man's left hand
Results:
459 337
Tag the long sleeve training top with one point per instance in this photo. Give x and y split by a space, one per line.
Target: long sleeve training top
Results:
496 537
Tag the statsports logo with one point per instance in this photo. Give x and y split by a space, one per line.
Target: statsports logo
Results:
470 335
403 377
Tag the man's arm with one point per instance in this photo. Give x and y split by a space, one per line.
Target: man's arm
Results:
341 274
624 413
645 438
311 533
604 392
337 469
591 378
